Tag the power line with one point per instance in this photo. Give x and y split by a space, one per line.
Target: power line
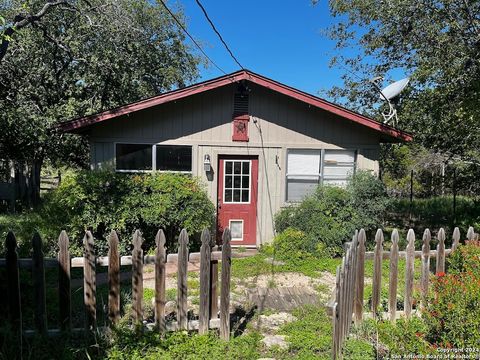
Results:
219 36
190 36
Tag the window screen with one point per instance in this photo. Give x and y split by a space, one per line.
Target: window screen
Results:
174 158
303 173
133 157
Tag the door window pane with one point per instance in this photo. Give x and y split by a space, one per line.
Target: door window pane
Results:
133 157
239 183
236 229
174 158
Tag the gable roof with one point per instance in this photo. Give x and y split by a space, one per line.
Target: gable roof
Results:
79 124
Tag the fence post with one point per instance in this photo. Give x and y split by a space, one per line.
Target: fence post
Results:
360 281
409 269
377 273
213 284
470 233
205 256
13 287
113 279
425 266
441 251
335 315
225 291
137 278
455 238
89 282
160 276
64 290
38 273
182 305
393 280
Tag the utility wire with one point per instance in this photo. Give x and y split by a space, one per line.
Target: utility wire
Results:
190 36
219 36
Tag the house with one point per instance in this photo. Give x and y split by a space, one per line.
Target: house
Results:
256 143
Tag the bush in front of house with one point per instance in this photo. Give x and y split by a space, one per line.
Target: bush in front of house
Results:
329 217
105 200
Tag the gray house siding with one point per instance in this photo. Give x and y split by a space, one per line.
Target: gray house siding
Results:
204 121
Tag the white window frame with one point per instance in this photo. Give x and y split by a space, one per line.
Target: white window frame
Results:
321 175
243 228
241 187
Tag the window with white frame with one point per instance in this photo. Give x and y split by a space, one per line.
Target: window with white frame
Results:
307 168
148 157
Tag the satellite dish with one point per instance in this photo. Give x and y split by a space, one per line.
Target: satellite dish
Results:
393 90
390 95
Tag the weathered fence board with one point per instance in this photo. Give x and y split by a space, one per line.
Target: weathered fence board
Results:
113 278
137 278
441 251
425 265
182 280
204 310
225 290
38 274
360 281
89 282
13 288
160 279
393 276
377 271
64 291
409 272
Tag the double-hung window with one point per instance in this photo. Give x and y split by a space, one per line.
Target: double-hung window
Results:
148 157
307 168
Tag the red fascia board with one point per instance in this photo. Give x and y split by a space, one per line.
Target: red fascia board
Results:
77 124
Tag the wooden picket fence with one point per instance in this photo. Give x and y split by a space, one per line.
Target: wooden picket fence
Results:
208 258
348 298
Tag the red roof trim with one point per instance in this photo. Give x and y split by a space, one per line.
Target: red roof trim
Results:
77 124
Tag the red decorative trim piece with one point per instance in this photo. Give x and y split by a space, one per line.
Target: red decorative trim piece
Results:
240 128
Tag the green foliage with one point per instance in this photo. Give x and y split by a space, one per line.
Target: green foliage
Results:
435 45
330 216
455 296
104 200
292 243
81 58
355 349
404 336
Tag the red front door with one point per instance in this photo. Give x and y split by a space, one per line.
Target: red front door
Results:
237 198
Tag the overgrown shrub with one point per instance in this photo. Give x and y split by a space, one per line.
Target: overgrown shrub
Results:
330 216
452 314
104 200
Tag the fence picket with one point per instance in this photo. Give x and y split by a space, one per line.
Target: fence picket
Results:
225 290
360 281
160 278
409 271
441 251
353 276
89 282
182 280
455 238
425 266
470 233
377 274
113 278
335 315
205 255
38 273
393 279
64 291
13 288
213 297
137 278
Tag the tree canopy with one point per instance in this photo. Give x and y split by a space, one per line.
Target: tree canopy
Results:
437 44
78 58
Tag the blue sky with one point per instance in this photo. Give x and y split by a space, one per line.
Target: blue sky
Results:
279 39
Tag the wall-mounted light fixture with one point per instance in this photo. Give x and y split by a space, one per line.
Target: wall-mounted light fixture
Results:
207 164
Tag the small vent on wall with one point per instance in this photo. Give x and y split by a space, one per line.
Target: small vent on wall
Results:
240 104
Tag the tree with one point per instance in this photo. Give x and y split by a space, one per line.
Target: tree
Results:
79 58
437 43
